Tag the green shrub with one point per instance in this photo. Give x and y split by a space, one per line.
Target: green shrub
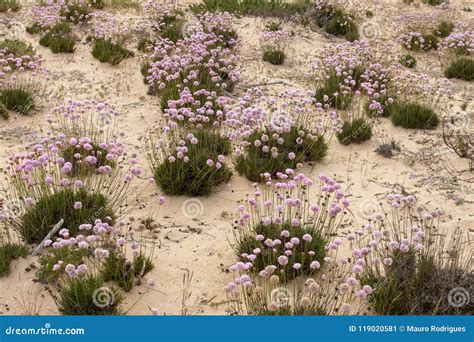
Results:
4 112
266 8
462 68
418 286
98 4
431 42
444 29
67 255
273 26
332 85
355 132
413 115
408 61
8 253
18 98
434 2
106 51
79 168
143 43
75 12
268 256
49 210
59 38
34 29
173 31
86 296
195 177
17 48
118 269
275 57
336 22
386 106
254 162
9 5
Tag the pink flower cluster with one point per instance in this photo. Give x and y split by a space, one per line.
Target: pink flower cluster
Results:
107 26
199 57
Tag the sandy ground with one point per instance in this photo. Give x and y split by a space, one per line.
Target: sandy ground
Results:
200 244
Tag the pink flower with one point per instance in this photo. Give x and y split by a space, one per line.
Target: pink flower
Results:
282 260
77 205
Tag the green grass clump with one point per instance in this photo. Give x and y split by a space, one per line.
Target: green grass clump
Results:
67 255
444 29
434 2
336 21
413 115
266 8
97 4
75 12
275 57
332 85
462 68
79 167
9 5
173 31
195 177
355 132
268 256
49 210
118 269
87 296
254 161
386 105
4 112
143 43
418 286
18 98
408 61
106 51
59 38
8 253
33 29
17 48
273 26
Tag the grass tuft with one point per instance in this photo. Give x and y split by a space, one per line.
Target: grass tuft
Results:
59 38
86 296
106 51
355 132
462 68
413 115
8 253
49 210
